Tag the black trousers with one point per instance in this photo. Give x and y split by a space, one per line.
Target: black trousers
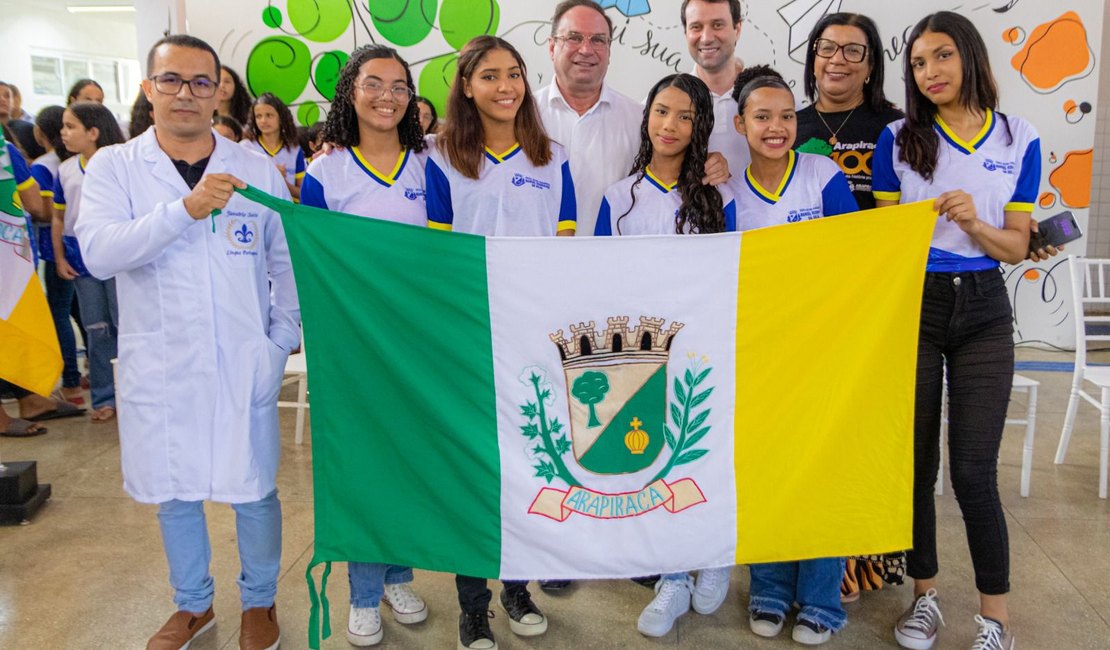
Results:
966 327
474 596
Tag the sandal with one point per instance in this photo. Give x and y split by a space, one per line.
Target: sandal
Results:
20 428
61 409
103 414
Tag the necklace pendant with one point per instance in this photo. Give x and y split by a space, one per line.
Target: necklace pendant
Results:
833 140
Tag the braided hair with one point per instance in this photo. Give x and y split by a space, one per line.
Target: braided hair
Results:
341 127
702 209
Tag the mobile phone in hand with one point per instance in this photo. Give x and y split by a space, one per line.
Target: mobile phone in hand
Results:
1056 231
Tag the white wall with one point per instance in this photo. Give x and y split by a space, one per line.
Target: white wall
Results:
1098 244
46 27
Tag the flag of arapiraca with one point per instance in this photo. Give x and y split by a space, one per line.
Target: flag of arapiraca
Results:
609 407
29 353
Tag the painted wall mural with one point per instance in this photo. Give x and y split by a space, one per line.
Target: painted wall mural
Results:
1044 55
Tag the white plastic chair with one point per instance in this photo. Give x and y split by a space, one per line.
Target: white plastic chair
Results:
296 370
1090 289
1021 384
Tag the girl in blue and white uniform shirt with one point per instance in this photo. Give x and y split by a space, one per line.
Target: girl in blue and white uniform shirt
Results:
86 128
270 130
982 171
494 171
665 196
782 186
377 171
59 291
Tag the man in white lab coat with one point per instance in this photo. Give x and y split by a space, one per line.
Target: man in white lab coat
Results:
208 313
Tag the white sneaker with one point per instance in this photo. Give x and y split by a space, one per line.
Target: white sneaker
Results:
992 636
407 607
710 589
364 626
766 624
672 599
917 628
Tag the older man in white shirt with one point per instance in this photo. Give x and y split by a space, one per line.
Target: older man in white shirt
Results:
598 126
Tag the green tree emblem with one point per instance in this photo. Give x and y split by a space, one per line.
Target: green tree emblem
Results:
589 389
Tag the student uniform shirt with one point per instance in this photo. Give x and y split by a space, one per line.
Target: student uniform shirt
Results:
813 187
510 198
655 208
67 197
1000 167
345 182
44 170
293 159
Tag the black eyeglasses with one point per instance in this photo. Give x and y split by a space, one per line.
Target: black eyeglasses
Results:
170 84
853 52
575 40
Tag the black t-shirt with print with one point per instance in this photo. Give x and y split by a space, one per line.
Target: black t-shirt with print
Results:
856 135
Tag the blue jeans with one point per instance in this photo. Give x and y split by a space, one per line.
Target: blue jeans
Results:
100 314
367 580
59 296
813 584
185 539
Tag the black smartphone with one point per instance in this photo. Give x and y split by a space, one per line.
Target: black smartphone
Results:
1056 230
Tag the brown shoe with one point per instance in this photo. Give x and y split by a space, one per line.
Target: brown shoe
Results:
180 630
260 629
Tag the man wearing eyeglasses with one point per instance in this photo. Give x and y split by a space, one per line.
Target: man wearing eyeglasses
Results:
208 314
712 29
598 126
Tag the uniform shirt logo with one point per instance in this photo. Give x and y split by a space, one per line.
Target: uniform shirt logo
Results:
413 193
804 214
520 180
998 166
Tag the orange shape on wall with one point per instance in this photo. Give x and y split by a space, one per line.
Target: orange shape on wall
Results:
1072 179
1055 53
1047 200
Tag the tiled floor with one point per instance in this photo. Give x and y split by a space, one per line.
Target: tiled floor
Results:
88 572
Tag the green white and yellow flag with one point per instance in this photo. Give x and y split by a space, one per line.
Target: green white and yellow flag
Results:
29 353
609 407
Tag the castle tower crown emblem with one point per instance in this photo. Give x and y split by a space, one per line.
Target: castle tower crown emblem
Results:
647 342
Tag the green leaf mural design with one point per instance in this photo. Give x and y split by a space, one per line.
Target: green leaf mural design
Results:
308 113
462 20
328 67
403 22
279 65
435 80
322 21
271 17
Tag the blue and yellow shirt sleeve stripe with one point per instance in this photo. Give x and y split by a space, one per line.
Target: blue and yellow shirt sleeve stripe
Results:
568 204
441 214
1029 180
885 185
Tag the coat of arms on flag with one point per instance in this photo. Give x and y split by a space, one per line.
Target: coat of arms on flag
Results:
616 387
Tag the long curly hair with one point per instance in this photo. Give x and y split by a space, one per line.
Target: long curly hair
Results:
341 127
917 140
49 121
239 106
287 130
463 139
702 209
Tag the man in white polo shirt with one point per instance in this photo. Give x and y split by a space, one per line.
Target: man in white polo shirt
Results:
598 126
712 29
